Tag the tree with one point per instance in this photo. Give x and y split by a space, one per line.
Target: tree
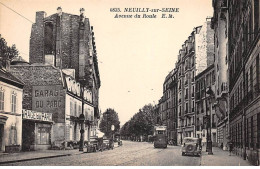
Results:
7 52
110 117
141 124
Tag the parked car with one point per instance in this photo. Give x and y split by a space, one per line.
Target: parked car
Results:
105 144
191 146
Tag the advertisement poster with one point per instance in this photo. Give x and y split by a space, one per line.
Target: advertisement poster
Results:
160 74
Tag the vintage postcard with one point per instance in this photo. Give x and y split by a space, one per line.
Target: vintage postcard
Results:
129 83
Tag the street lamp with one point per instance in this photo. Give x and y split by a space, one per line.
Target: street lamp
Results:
81 121
208 120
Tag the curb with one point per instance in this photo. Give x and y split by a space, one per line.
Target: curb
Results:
37 158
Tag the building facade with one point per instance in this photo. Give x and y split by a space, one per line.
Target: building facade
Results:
168 106
244 80
49 92
62 78
196 55
220 25
205 99
11 94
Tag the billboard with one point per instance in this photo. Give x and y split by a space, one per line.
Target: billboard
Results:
49 99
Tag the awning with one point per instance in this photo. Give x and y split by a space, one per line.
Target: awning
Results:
99 133
3 119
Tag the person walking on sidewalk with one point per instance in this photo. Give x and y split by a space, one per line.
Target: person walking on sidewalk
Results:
230 148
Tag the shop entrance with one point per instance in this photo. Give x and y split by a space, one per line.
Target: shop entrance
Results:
28 135
1 135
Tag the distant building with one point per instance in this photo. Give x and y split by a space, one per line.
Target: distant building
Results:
196 55
168 105
11 94
205 82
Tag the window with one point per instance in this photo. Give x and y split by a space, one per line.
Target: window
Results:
80 109
256 15
13 102
71 107
257 73
75 109
2 99
252 132
13 135
258 130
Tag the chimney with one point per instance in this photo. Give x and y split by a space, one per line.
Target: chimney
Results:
59 11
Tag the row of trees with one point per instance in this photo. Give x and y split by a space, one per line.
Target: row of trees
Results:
6 52
141 124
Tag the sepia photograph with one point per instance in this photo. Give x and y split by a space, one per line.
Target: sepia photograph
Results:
129 83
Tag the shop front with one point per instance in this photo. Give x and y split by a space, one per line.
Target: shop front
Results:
37 130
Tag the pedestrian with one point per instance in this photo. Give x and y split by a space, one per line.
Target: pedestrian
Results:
230 148
200 146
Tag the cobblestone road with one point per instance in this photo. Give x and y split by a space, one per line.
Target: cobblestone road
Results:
130 154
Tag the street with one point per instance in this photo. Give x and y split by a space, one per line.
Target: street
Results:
130 154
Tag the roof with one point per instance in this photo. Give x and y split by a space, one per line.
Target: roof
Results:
11 79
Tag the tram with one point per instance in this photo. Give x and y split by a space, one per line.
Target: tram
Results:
160 136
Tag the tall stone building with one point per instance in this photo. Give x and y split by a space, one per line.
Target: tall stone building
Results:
220 25
66 41
244 77
62 79
196 55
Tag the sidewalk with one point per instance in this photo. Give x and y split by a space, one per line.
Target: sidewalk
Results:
34 155
6 158
221 158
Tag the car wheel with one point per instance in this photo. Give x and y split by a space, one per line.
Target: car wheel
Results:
190 148
182 153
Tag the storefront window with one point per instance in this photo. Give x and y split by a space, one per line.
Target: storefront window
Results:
43 135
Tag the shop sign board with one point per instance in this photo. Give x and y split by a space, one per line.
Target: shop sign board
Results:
49 99
34 115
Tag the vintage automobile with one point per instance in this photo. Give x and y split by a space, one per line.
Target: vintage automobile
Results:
191 146
105 144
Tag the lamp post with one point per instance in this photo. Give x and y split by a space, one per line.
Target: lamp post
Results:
208 120
81 142
82 120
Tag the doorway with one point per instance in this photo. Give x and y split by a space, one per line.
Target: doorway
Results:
1 136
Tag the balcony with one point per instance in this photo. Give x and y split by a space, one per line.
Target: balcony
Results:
198 128
214 125
198 96
224 87
179 100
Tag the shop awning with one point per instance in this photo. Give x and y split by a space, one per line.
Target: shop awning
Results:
3 119
99 133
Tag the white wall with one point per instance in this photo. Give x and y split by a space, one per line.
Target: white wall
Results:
14 119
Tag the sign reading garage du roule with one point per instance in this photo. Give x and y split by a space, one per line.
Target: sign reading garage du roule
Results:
50 99
33 115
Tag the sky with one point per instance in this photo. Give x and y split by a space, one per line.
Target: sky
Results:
135 54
